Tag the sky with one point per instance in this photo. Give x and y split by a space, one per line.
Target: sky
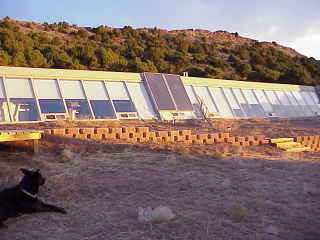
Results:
292 23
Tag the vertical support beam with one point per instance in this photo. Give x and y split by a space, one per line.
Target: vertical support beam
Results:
88 101
36 145
7 98
129 95
35 95
62 97
114 109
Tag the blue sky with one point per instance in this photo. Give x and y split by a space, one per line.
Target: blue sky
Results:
293 23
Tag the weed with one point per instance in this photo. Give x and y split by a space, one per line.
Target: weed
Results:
184 151
239 212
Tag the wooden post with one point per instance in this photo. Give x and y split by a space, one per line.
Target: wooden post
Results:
36 145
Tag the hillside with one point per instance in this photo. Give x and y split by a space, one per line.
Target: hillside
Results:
201 53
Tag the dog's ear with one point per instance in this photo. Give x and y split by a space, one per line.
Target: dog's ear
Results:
24 171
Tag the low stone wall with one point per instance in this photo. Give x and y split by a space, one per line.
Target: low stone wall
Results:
143 134
309 141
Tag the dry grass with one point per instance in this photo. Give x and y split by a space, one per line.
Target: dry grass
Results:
232 197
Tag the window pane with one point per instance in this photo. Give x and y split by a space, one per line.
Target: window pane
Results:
51 106
194 101
4 113
19 88
71 89
123 106
117 91
47 89
78 109
95 90
141 100
233 102
221 102
23 109
202 94
102 109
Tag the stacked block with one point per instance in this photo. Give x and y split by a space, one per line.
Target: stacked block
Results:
143 134
309 141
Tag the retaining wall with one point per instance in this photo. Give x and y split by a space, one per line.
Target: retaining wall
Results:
309 141
143 134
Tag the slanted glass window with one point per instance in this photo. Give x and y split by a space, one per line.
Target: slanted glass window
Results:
255 109
22 104
49 96
309 100
267 107
78 109
72 89
233 103
19 88
286 107
123 106
141 100
95 90
221 102
102 109
194 101
23 109
205 100
99 100
119 97
51 106
275 103
47 89
302 103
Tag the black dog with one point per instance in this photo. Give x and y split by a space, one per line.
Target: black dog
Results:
22 198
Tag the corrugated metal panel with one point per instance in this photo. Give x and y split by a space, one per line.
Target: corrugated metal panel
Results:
2 95
141 100
203 95
158 89
71 89
19 88
47 89
95 90
179 93
221 103
117 91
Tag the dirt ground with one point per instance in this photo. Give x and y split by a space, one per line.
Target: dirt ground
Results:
216 191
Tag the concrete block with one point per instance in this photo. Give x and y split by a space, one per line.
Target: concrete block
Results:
72 131
58 131
184 132
96 136
101 130
142 129
86 130
47 131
